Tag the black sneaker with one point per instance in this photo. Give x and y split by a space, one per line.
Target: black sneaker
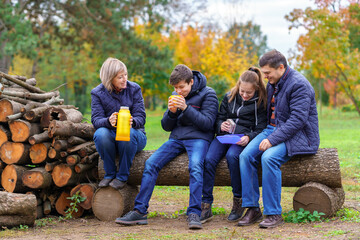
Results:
206 213
236 211
117 184
132 218
105 182
194 221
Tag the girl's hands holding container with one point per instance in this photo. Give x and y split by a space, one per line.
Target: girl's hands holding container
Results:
243 141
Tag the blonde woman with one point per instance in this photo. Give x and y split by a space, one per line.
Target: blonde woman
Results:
114 91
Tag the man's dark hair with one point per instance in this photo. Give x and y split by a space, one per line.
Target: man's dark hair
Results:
273 59
181 72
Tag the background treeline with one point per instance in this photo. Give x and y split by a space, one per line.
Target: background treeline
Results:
67 41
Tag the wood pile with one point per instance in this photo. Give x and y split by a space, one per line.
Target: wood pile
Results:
45 148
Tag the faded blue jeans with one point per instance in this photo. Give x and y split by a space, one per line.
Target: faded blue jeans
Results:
216 152
271 161
107 147
196 150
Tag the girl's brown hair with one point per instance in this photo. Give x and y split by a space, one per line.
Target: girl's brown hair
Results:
252 75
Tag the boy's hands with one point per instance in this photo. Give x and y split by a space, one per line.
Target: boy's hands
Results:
175 102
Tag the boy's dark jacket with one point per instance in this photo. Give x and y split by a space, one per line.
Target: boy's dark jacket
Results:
104 103
296 115
249 118
198 119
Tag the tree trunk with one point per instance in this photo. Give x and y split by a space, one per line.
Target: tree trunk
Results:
87 150
108 203
17 209
87 191
39 138
49 166
63 203
64 175
39 152
72 160
53 154
323 167
60 145
79 147
21 130
8 108
18 153
73 140
5 134
37 178
90 159
11 178
67 129
61 114
47 207
21 83
316 196
81 167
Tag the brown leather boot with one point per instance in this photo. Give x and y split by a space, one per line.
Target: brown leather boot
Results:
236 211
252 215
206 213
272 221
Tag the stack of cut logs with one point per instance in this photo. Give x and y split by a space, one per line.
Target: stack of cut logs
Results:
45 149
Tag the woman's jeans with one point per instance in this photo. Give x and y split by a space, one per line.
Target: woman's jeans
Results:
216 152
271 161
107 147
196 150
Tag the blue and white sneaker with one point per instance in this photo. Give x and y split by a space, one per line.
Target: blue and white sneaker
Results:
132 218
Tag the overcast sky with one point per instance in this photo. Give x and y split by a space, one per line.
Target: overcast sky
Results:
269 14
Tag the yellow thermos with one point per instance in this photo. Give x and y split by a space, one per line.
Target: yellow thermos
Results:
123 125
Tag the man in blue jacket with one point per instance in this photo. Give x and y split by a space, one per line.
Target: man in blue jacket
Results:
190 117
292 129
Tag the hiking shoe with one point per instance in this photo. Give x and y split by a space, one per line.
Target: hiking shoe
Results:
206 213
132 218
252 215
272 221
236 211
194 221
117 184
105 182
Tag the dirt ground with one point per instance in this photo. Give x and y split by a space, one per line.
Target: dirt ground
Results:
161 227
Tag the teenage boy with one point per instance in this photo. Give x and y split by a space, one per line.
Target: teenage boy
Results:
190 118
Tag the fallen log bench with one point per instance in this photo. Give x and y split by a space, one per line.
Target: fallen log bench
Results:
318 177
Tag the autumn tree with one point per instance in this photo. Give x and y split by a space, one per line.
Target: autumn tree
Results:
327 48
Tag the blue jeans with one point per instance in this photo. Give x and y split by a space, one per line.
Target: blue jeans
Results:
216 152
196 150
107 147
271 161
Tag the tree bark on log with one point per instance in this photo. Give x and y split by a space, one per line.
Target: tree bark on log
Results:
21 130
39 138
39 152
83 152
21 83
73 140
316 196
60 114
37 178
90 159
17 209
11 178
63 203
60 145
49 166
68 128
79 147
5 134
323 167
87 191
72 160
8 108
108 203
11 152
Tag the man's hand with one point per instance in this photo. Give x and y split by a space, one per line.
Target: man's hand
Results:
265 145
243 141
